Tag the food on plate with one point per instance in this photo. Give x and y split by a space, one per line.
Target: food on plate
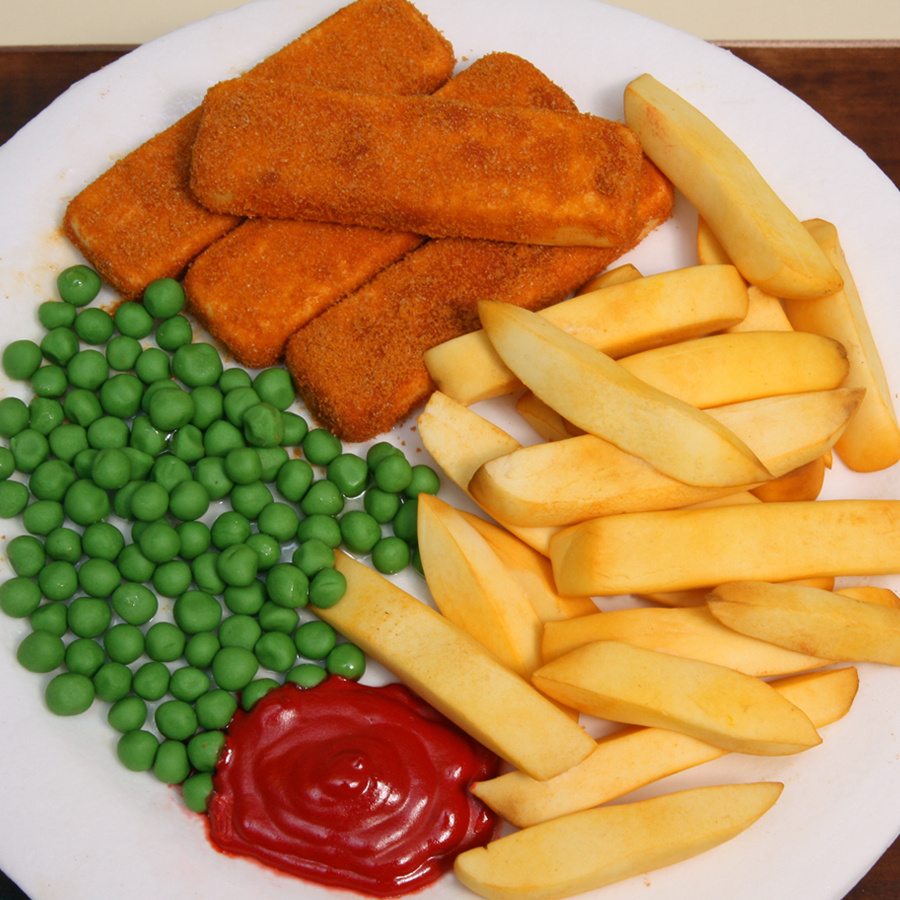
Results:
691 631
569 480
630 684
686 548
811 620
618 319
761 236
873 440
268 277
594 392
139 221
472 587
454 673
594 848
633 757
352 786
444 168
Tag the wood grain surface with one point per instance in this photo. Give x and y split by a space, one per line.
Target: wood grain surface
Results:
854 86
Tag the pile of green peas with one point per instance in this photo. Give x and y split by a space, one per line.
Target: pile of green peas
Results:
134 421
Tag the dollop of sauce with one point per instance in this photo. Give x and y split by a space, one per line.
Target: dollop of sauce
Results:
351 786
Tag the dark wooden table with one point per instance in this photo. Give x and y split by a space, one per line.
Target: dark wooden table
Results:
853 85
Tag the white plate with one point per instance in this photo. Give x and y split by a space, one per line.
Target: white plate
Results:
75 823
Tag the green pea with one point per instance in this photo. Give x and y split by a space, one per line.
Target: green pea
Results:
208 405
233 378
274 385
98 577
312 556
26 555
132 320
320 447
350 473
163 298
68 440
41 652
153 366
50 381
194 539
379 451
250 499
121 395
111 468
405 523
45 414
94 325
134 603
82 406
112 681
149 503
108 432
271 459
176 719
170 409
273 617
255 691
195 611
326 588
393 473
21 359
69 694
391 555
237 401
186 443
210 472
196 364
78 284
170 471
29 449
293 479
196 791
295 429
128 714
134 566
164 642
84 656
276 651
200 649
50 617
13 498
188 683
122 352
7 463
243 465
137 750
86 503
322 528
322 498
145 437
222 436
151 680
267 549
279 520
230 528
245 599
102 540
51 479
306 675
233 668
346 660
43 516
287 585
215 709
123 643
83 464
239 631
63 544
381 505
89 617
263 425
56 314
173 333
19 597
14 416
206 575
58 580
359 531
315 639
87 369
189 501
172 578
205 748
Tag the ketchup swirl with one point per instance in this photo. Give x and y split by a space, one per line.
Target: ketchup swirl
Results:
356 787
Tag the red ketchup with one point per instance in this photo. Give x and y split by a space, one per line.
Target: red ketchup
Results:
355 787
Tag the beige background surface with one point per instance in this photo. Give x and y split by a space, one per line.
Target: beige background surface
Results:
26 22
